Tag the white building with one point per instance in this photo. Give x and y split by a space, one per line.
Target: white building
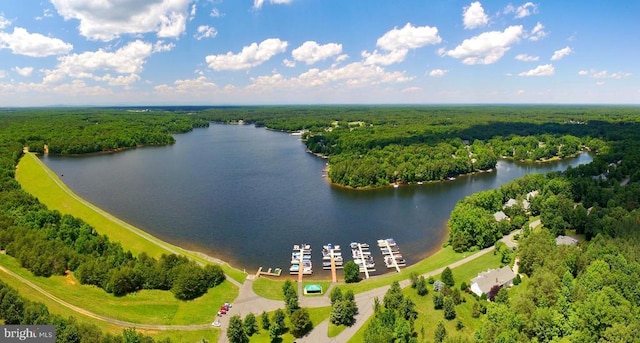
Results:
493 277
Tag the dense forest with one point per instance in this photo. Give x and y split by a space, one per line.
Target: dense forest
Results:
587 293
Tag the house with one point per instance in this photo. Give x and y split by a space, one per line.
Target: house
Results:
500 216
494 277
566 240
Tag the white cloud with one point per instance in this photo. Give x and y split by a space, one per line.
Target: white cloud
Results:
486 48
199 85
526 58
397 43
353 75
4 22
288 63
45 14
250 56
409 37
194 9
26 71
393 56
525 10
438 72
215 13
520 92
541 70
311 52
159 46
559 54
205 31
603 74
537 33
21 42
473 16
108 19
257 4
129 59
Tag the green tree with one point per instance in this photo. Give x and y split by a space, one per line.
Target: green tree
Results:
290 296
265 320
351 272
421 286
393 298
447 277
449 308
335 295
440 333
250 325
278 320
300 322
235 330
438 300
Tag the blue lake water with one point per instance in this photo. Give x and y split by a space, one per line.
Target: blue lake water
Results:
246 195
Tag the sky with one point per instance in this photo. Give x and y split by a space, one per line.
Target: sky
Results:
255 52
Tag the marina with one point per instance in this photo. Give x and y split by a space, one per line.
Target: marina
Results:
391 252
301 261
362 257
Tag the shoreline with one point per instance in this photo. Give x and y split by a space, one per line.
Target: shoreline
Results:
160 245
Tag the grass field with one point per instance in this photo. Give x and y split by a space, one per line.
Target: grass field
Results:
146 306
38 180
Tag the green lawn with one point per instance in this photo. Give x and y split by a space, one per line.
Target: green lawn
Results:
268 288
38 180
146 306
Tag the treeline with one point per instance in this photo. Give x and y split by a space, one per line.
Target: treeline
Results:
47 243
600 197
15 310
81 131
378 146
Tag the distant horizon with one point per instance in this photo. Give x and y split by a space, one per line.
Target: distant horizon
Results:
276 52
141 106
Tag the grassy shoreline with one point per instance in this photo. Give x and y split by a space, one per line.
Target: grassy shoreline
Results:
38 180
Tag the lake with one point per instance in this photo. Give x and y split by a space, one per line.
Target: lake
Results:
246 195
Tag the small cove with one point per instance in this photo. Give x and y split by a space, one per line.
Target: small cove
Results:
246 195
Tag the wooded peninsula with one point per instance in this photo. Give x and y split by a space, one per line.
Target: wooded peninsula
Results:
583 293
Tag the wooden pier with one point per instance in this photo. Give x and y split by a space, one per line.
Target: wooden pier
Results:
269 272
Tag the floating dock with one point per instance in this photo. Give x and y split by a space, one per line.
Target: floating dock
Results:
332 259
301 261
362 257
391 253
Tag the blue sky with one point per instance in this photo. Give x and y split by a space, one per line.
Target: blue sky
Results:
221 52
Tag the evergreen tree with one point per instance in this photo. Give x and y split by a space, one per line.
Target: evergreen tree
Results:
300 322
449 308
235 331
447 277
265 320
351 272
250 325
441 333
